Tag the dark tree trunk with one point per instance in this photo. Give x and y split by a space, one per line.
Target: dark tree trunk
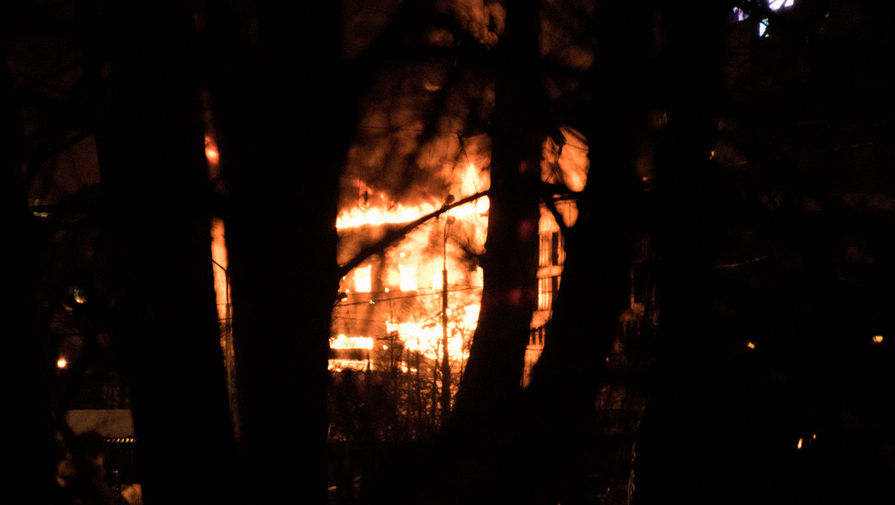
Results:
283 132
493 374
151 153
688 210
594 291
28 366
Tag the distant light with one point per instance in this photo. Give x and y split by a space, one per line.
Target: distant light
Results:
212 154
78 296
739 14
211 151
814 436
61 363
877 339
779 4
750 345
712 154
386 290
799 444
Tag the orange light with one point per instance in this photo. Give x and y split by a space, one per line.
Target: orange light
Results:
799 444
750 345
408 278
344 342
211 151
877 339
363 280
61 363
219 262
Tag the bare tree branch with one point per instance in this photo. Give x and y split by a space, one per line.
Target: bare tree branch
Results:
394 235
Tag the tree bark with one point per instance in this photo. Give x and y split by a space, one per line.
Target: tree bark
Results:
28 367
283 130
164 320
493 372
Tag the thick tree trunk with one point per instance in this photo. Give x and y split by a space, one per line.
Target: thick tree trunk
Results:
283 133
150 145
688 206
28 366
561 398
493 373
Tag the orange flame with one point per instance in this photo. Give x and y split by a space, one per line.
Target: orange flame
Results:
219 259
415 264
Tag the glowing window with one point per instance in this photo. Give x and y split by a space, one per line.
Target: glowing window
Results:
363 280
547 288
544 256
408 278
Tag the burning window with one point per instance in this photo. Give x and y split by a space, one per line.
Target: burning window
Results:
363 279
547 288
555 248
544 256
551 249
408 278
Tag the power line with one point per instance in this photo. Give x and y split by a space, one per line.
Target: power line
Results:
417 295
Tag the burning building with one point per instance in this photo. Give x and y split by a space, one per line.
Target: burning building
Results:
412 305
393 307
402 307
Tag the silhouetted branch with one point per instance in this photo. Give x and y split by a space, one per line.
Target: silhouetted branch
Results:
394 235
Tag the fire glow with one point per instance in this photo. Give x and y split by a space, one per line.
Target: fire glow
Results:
403 287
404 291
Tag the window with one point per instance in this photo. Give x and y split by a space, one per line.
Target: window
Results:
363 280
547 288
408 278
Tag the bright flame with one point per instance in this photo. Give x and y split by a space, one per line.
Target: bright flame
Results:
61 363
877 339
344 342
377 209
426 338
408 278
569 166
219 267
363 280
361 216
338 365
414 266
750 345
211 151
799 444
